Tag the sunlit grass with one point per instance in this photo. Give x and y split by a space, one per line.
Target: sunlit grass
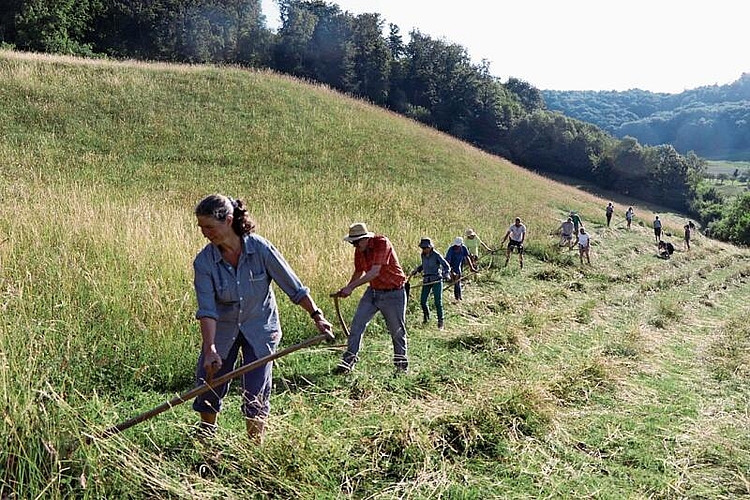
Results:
554 380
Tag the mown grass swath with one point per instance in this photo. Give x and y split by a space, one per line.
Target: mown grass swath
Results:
559 380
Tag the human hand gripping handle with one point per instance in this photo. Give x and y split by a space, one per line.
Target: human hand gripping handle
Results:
335 296
343 292
211 363
323 325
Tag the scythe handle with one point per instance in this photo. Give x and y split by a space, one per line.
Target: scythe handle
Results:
336 297
202 389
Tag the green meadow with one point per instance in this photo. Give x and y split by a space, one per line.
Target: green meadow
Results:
729 186
628 378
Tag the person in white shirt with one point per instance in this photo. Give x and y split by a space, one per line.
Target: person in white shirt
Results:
629 214
584 243
517 234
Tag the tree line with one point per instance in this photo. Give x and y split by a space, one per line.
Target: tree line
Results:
711 120
427 79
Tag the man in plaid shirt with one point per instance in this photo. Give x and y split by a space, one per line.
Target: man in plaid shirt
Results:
375 264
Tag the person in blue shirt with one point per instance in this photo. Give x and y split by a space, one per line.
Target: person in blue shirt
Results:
237 308
434 269
456 255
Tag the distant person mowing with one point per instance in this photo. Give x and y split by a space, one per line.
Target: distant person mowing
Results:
629 214
688 233
456 255
584 245
657 229
609 211
666 249
576 221
434 269
566 233
473 242
515 235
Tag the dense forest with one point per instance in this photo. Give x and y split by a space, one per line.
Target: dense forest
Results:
426 79
713 121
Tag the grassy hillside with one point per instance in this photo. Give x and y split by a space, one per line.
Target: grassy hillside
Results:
628 378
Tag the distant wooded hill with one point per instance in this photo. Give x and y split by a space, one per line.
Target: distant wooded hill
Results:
429 80
712 121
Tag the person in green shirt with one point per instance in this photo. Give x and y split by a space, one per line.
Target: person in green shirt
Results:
473 242
576 221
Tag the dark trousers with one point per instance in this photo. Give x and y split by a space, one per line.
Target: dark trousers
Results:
256 384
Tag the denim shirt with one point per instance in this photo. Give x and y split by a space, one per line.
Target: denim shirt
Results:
431 266
456 256
241 300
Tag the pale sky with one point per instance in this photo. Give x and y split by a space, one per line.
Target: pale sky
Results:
656 45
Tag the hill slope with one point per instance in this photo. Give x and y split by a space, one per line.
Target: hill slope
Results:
624 379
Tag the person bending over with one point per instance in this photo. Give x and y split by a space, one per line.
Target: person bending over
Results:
237 308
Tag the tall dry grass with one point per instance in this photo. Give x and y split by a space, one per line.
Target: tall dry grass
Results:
102 164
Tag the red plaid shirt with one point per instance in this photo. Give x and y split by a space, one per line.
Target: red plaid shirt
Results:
379 251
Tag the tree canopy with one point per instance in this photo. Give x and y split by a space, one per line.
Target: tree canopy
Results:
427 79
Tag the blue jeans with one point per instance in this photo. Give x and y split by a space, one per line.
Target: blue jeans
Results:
392 305
256 384
437 293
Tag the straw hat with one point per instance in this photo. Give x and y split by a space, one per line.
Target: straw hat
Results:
357 231
470 232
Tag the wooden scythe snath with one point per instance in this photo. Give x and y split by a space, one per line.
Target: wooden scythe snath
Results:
336 297
209 386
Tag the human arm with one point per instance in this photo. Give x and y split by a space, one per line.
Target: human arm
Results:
359 278
466 256
321 323
211 359
280 271
507 233
444 266
416 270
207 313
